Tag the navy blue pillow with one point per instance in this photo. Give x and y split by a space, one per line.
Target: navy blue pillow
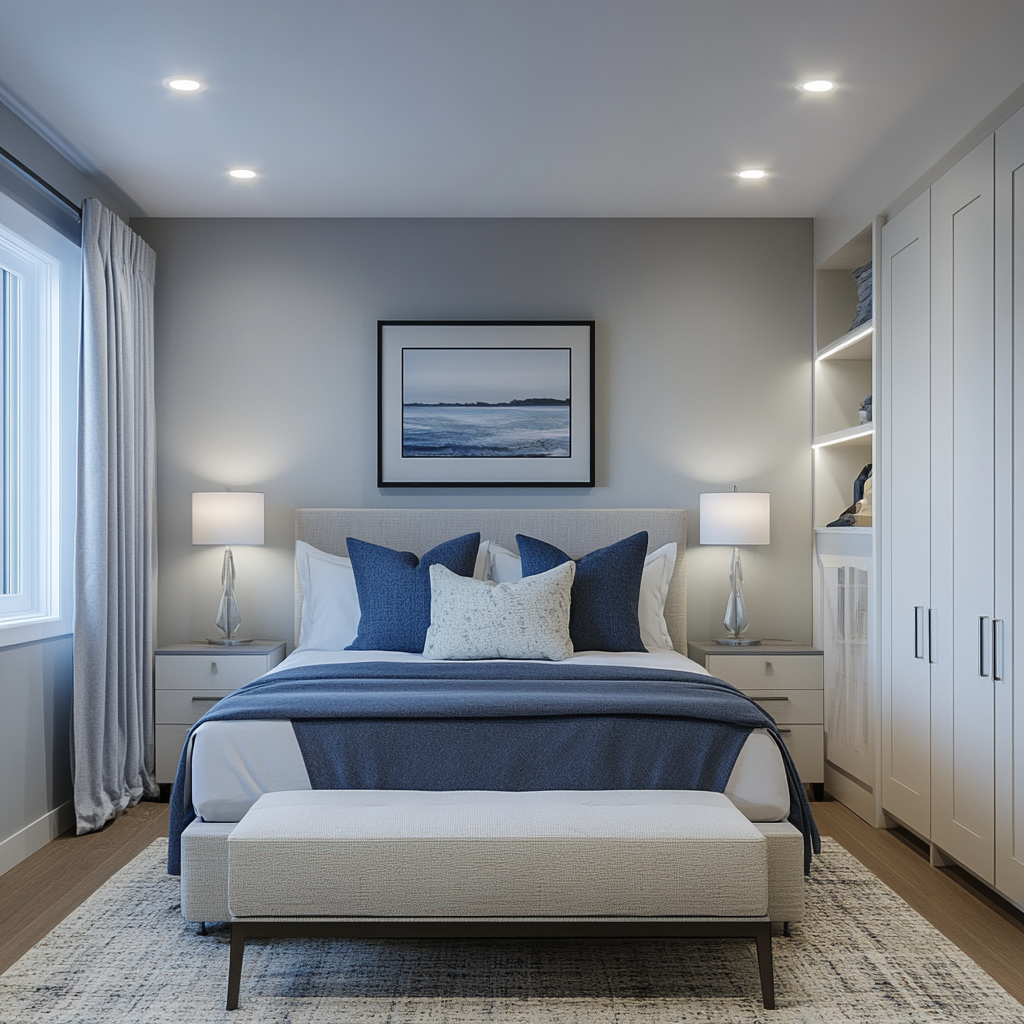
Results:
605 593
394 591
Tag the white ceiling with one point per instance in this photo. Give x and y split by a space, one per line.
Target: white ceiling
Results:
483 107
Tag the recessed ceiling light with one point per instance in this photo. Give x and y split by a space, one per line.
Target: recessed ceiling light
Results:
242 172
182 83
818 85
752 172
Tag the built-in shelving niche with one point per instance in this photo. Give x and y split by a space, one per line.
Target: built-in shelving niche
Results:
843 369
844 573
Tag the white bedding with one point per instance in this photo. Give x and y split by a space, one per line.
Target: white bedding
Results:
232 764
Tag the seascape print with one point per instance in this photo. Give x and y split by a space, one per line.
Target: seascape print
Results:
486 403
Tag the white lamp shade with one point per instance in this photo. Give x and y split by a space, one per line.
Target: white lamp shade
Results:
227 517
736 518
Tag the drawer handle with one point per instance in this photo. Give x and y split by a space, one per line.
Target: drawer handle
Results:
785 730
213 667
761 699
769 668
205 699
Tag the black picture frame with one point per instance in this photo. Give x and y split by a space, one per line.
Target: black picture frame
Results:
466 376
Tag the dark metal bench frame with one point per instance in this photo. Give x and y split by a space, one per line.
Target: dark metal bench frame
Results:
761 931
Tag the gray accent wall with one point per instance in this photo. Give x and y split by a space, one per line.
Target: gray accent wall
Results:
35 750
266 380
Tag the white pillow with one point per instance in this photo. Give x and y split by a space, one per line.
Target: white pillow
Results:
482 556
482 619
658 568
504 566
330 604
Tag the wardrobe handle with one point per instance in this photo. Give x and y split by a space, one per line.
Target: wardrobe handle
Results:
997 650
931 636
983 651
918 631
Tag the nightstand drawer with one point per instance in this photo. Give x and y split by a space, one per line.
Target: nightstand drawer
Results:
169 741
192 671
806 744
768 671
183 707
788 706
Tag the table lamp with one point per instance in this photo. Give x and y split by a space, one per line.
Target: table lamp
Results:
227 517
735 518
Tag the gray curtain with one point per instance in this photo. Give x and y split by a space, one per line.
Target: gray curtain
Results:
115 535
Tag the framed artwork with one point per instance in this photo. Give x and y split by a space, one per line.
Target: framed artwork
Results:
485 403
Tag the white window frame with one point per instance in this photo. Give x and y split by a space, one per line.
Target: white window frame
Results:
41 379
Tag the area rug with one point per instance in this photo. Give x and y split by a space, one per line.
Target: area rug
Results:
861 955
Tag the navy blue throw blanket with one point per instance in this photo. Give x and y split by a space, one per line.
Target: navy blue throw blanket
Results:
506 727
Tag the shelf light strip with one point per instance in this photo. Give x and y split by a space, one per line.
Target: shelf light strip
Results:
846 344
845 437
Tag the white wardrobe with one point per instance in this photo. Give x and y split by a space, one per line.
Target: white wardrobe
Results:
952 299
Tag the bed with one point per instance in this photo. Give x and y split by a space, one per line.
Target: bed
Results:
235 755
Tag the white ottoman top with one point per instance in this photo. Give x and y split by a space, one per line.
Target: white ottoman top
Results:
392 853
397 815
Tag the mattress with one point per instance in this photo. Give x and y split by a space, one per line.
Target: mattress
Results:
233 763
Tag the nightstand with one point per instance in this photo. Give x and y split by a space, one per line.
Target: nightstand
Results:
190 679
788 681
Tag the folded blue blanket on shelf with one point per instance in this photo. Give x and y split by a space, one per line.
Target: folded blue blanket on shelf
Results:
504 726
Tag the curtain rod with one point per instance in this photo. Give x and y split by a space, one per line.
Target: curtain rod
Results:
41 182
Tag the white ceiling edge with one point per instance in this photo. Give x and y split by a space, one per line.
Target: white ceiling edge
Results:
47 132
107 191
25 143
968 104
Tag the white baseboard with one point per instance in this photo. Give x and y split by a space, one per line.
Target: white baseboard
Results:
16 848
853 794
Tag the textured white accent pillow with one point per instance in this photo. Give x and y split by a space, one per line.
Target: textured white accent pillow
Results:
482 619
504 566
330 603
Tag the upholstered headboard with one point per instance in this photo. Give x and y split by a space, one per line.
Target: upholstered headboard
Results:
575 531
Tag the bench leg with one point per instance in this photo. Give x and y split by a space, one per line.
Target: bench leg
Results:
764 963
235 967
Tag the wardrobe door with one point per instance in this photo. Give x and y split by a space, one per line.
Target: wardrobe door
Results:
963 511
905 368
1009 689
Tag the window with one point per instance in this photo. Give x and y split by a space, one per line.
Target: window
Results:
39 316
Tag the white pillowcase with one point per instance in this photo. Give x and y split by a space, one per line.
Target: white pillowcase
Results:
330 603
658 569
504 566
472 618
482 557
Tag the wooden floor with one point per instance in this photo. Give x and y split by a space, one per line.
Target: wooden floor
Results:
42 890
37 894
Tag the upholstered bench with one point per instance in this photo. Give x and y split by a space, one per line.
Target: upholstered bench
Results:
383 863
